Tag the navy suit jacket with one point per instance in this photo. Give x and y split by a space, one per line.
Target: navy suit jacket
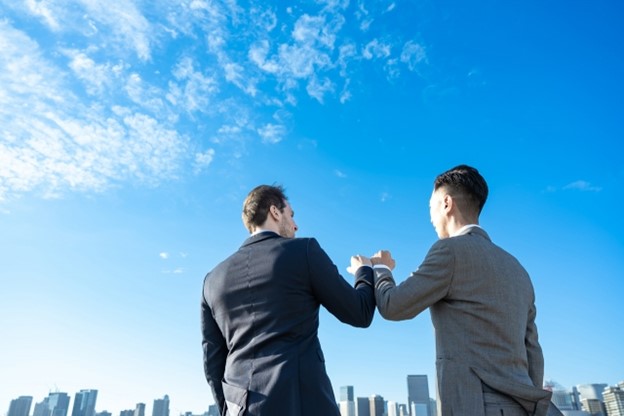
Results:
260 316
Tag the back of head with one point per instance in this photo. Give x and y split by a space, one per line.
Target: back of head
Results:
466 185
259 201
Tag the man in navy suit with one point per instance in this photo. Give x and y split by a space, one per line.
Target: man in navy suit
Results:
260 316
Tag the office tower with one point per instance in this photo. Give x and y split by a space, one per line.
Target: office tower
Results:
418 395
213 410
591 391
346 393
393 408
104 413
614 400
139 410
42 408
433 408
563 399
20 406
161 407
346 405
593 407
363 406
58 404
377 405
403 410
127 412
84 403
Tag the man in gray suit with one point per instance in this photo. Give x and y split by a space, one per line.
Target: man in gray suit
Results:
482 304
260 316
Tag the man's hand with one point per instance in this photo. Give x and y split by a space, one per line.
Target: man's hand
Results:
383 257
357 262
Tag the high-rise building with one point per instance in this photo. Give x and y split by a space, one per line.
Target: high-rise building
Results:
346 393
213 410
104 413
614 400
161 407
139 410
591 391
377 405
347 404
56 404
403 410
393 408
563 399
418 395
20 406
127 412
363 406
84 403
593 406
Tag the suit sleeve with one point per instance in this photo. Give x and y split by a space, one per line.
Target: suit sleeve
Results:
352 305
215 353
424 287
535 357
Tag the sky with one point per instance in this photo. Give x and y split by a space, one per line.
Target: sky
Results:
132 131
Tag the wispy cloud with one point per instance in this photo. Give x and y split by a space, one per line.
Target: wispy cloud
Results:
94 97
164 255
581 185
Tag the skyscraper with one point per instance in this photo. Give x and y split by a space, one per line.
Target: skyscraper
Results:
20 406
161 407
377 405
58 404
84 403
614 400
363 406
418 395
139 410
346 405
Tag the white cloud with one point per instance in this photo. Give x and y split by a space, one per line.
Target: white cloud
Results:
375 50
272 133
413 55
52 142
340 173
581 185
164 255
203 160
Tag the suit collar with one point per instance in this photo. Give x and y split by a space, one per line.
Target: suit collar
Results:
472 229
261 236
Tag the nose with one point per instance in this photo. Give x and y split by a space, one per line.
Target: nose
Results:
295 227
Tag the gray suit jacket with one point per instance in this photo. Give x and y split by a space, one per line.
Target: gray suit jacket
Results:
482 307
260 317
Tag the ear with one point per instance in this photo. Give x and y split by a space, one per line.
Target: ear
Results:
275 213
448 203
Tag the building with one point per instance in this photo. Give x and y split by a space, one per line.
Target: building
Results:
127 412
614 400
161 407
363 406
393 408
347 403
104 413
213 410
563 399
139 410
377 405
418 400
20 406
84 403
593 406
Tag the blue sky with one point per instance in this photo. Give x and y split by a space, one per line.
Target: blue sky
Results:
132 131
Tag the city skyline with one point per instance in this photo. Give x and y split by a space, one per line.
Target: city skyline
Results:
132 132
161 405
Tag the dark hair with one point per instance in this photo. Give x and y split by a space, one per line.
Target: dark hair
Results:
259 201
464 181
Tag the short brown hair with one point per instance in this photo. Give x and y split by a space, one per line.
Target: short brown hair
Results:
464 181
259 201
